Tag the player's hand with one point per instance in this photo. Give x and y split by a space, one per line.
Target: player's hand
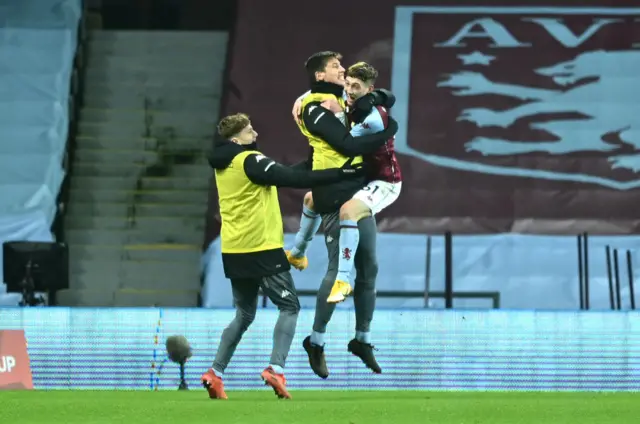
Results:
384 97
362 108
332 105
297 111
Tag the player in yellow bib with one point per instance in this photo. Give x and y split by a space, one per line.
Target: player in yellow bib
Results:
333 146
252 243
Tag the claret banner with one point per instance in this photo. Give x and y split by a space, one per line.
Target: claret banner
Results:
513 117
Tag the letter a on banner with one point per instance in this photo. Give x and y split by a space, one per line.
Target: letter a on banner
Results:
15 368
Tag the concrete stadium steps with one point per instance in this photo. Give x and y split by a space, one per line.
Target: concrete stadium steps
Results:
113 237
162 70
96 169
138 209
131 77
151 252
173 224
130 170
139 187
145 275
164 131
132 95
145 143
131 43
160 198
156 63
141 118
120 183
84 155
127 298
136 143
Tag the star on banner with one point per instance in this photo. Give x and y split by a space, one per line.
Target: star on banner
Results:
476 58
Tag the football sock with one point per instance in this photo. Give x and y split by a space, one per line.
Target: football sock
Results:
277 369
317 338
363 337
218 372
349 238
364 291
309 224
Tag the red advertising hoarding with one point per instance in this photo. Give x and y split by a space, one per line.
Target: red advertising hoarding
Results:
15 368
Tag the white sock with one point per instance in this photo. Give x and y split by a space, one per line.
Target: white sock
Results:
218 372
277 369
317 338
363 337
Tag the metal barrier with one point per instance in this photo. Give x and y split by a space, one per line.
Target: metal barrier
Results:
493 296
613 275
448 294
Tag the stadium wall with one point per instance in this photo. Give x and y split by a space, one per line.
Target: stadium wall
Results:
418 349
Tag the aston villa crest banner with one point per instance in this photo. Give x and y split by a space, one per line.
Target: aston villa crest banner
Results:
512 118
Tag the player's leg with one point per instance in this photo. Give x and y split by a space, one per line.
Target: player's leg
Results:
364 296
314 344
371 200
245 296
282 292
309 225
350 214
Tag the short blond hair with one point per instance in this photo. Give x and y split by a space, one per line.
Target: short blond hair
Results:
363 71
231 125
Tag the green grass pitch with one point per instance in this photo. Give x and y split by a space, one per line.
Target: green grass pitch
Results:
306 407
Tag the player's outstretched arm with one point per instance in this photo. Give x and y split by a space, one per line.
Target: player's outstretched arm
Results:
265 171
306 164
323 123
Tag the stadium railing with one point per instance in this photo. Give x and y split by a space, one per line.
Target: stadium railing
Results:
448 294
493 296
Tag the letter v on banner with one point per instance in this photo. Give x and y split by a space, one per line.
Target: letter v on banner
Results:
15 367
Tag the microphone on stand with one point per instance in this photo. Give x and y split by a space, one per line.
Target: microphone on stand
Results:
179 351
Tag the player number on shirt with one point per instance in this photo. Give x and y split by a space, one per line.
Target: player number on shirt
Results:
368 188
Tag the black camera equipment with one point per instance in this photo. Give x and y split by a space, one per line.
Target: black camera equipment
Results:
32 267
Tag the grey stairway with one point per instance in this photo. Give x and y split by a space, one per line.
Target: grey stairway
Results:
135 220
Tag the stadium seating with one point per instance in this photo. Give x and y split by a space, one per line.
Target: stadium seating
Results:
39 40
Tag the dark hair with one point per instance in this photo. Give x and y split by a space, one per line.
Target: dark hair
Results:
317 62
363 71
231 125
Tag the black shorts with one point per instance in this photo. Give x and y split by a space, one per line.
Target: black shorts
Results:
255 264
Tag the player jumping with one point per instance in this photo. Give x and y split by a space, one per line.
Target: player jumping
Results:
252 244
382 190
333 145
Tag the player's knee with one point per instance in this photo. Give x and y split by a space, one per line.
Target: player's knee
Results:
373 270
292 307
246 318
348 212
344 214
354 210
308 200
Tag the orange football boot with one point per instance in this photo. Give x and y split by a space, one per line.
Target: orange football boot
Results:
213 384
277 382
